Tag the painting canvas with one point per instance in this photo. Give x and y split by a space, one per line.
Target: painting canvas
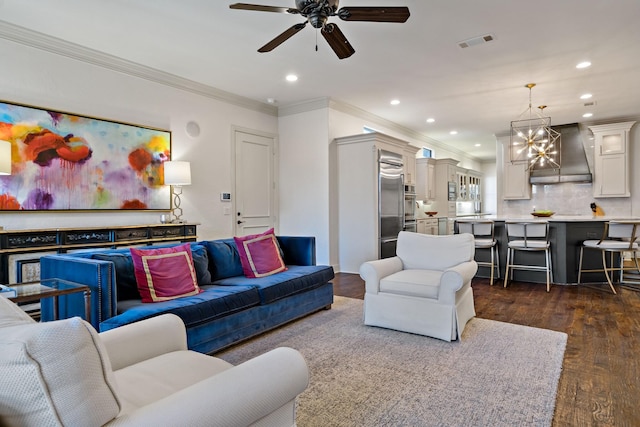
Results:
62 161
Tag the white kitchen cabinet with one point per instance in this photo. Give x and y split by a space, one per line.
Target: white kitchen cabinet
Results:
446 170
428 226
475 186
409 160
357 200
515 180
611 160
426 179
462 180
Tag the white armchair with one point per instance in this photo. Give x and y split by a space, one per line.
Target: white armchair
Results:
425 289
64 373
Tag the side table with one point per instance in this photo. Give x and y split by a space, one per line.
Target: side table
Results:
52 288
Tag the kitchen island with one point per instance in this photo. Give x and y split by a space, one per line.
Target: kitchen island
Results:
566 234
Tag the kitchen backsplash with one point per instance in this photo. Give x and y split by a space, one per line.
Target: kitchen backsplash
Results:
566 199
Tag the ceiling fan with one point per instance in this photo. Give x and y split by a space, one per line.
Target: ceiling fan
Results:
318 12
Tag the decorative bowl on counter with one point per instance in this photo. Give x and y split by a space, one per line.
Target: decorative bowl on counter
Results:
542 214
431 213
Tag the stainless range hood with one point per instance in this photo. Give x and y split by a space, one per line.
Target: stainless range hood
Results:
573 160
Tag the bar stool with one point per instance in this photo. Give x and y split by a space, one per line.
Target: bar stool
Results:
529 236
483 233
619 236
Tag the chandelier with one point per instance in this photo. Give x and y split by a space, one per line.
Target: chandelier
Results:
532 139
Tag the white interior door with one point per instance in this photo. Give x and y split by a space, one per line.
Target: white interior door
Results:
255 183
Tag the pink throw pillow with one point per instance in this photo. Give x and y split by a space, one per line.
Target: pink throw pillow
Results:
165 273
260 254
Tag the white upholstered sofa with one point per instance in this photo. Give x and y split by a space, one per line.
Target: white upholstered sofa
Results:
63 373
425 289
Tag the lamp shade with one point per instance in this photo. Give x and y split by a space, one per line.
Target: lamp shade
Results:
177 173
5 158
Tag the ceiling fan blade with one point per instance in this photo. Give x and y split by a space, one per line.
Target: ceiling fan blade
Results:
261 8
337 41
374 14
282 38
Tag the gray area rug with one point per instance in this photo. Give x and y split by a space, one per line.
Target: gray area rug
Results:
499 374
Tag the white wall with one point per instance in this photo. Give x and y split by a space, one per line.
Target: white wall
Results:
304 178
35 77
307 175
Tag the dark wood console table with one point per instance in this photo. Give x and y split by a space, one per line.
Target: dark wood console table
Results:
20 250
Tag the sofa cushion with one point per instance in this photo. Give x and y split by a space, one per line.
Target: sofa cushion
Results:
126 285
201 263
12 315
224 260
214 302
295 280
260 254
141 384
165 273
38 387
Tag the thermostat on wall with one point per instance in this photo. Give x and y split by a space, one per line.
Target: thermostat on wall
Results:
225 197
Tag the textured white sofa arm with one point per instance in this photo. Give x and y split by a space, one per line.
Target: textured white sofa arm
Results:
372 271
143 340
239 396
454 278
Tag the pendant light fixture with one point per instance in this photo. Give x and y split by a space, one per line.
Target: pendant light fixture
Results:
533 141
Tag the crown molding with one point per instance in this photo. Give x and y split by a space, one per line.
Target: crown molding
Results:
319 103
24 36
27 37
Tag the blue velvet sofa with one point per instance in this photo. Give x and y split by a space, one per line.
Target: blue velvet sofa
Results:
231 307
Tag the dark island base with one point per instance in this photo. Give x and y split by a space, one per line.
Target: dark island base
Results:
566 240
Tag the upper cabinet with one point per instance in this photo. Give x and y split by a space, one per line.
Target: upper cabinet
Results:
515 178
469 185
426 179
475 186
462 180
409 160
611 160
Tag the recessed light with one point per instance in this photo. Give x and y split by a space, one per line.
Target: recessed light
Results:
453 132
585 96
431 120
272 101
395 101
292 78
584 64
586 115
478 145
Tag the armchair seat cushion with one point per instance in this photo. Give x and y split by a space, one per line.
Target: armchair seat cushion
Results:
413 283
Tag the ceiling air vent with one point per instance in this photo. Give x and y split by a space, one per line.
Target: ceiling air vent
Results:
476 41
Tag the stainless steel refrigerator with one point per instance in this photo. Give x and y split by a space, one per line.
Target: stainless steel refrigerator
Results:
390 201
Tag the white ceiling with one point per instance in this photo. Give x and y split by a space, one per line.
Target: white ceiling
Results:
476 91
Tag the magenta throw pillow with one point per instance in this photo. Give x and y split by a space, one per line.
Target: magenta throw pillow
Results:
165 273
260 254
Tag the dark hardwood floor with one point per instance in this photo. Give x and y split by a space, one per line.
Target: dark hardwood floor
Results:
600 381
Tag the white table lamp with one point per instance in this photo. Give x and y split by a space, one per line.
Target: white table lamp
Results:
177 174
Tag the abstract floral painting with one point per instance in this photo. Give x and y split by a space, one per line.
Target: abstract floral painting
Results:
62 161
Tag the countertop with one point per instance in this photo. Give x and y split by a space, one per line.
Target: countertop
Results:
562 218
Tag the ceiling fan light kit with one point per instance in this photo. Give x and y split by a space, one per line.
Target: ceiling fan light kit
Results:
318 12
